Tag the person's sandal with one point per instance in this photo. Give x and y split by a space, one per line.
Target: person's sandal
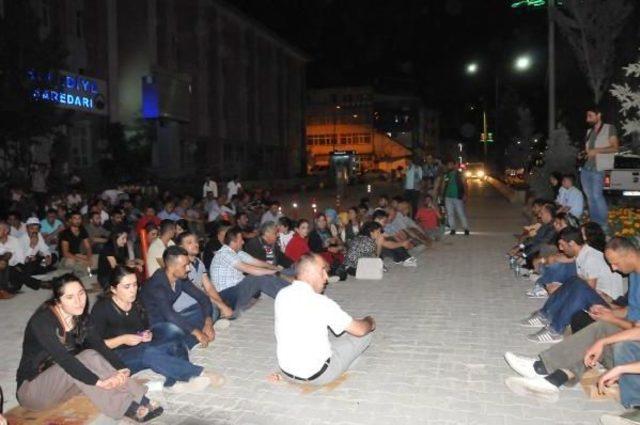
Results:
143 413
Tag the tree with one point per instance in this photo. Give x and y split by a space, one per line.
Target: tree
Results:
518 152
559 156
23 49
592 27
629 98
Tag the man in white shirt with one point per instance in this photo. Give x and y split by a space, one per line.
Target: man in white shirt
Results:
306 352
36 251
272 214
17 227
12 274
233 187
210 186
156 249
570 198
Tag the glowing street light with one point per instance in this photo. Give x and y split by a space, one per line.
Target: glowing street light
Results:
522 63
472 68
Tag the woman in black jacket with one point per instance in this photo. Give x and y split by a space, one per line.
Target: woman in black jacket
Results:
63 356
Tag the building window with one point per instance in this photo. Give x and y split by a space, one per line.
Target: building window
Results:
79 25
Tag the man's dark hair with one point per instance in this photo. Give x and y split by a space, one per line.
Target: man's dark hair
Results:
117 211
301 222
383 196
370 227
16 214
398 198
166 226
379 214
52 211
594 108
594 235
240 214
92 213
571 234
620 244
540 202
551 208
74 212
274 202
182 236
232 235
570 176
286 222
172 252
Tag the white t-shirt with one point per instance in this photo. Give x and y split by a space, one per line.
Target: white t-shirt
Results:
156 249
590 264
210 186
301 320
18 233
13 246
41 247
233 188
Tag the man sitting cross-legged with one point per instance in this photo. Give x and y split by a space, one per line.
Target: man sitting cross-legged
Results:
592 284
228 268
305 349
193 325
567 361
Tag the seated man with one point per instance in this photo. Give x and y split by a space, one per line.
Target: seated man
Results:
306 352
543 241
12 268
265 246
272 214
390 247
570 198
402 227
98 234
199 276
16 226
75 248
242 221
51 226
593 283
193 325
567 361
164 240
37 256
227 273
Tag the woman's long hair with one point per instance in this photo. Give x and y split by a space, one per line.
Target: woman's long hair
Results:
58 285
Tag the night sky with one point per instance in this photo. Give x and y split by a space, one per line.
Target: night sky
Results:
423 46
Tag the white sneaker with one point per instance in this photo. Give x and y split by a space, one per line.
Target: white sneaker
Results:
333 279
538 388
154 386
222 324
535 320
196 384
522 365
630 417
545 336
534 277
537 292
410 262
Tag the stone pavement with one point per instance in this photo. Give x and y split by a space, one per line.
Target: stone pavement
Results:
436 356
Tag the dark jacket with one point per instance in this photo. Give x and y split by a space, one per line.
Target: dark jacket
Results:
545 236
257 248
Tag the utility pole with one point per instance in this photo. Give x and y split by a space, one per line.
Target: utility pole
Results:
551 6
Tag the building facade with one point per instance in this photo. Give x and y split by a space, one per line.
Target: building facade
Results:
215 90
382 129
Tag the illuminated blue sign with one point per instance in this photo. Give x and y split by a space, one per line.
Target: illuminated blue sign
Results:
70 91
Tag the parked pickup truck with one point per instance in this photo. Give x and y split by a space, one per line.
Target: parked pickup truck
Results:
623 179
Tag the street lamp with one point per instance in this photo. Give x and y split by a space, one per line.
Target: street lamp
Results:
522 63
472 68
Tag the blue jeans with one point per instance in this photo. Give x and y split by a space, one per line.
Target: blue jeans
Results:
456 206
167 331
624 353
239 296
186 301
572 297
169 359
593 186
556 273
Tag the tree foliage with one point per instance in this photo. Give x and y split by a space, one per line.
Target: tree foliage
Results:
628 95
592 27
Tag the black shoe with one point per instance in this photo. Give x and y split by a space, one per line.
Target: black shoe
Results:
452 232
466 232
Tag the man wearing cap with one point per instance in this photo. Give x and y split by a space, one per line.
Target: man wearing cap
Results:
37 255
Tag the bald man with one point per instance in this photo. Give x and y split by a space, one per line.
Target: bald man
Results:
306 351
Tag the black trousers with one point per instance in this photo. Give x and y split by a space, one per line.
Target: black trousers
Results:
398 254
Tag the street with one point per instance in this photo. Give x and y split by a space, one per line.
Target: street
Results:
436 356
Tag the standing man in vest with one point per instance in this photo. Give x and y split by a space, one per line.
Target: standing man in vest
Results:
601 141
412 182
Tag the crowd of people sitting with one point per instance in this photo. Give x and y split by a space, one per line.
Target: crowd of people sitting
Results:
588 316
173 270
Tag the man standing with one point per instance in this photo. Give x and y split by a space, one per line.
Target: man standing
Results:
193 325
412 182
455 196
210 186
233 187
601 141
306 352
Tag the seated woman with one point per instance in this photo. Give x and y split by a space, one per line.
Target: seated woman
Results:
352 226
122 322
368 244
114 253
63 356
299 243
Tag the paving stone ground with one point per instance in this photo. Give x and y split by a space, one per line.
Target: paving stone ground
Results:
436 357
